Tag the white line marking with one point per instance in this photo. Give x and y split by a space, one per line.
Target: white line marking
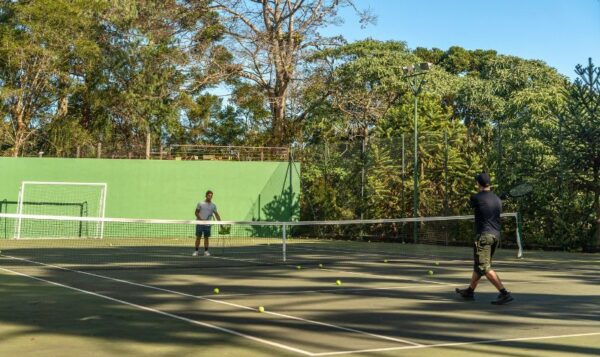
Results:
349 329
177 317
457 344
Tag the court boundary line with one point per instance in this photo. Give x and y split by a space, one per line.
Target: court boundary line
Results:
276 344
283 346
452 344
164 313
200 297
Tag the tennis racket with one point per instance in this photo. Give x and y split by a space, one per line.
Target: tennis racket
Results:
518 191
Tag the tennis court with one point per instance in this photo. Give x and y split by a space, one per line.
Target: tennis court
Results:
386 303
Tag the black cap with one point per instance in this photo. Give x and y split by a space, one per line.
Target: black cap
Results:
483 179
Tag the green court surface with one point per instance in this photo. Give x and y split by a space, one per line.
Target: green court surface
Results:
392 308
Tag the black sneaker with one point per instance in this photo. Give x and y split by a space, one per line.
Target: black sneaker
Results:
466 294
503 299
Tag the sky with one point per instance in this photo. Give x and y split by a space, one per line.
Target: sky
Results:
562 33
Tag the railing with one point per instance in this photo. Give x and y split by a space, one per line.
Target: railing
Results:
229 153
173 152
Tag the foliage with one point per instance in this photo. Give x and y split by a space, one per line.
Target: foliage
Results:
136 75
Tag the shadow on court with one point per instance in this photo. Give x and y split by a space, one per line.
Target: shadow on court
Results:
409 307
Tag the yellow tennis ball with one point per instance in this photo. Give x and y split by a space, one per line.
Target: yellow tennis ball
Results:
338 282
437 263
216 290
430 272
385 260
320 265
261 309
298 267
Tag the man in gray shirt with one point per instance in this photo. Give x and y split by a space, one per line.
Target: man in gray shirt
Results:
204 212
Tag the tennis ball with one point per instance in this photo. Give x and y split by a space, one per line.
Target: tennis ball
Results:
261 309
216 290
298 267
385 260
320 265
338 282
430 272
437 263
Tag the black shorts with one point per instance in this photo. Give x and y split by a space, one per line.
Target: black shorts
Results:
203 229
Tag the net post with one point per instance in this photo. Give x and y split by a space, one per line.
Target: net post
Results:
283 243
102 209
20 210
519 229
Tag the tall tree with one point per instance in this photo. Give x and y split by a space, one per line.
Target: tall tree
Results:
271 39
42 43
582 139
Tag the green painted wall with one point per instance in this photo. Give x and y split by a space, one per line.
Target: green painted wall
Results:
168 189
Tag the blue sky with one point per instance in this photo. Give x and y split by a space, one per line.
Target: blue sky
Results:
561 33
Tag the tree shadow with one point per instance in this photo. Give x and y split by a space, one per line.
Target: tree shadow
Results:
423 315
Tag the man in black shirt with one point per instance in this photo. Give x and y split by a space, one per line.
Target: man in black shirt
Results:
487 207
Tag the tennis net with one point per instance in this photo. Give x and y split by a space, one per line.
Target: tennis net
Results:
155 243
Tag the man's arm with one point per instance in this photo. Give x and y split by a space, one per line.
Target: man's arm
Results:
197 213
217 215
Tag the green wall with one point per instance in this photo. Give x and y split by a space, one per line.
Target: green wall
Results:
168 189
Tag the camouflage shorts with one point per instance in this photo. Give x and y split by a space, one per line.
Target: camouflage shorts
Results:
485 246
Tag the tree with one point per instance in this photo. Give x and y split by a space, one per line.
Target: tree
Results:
44 46
362 123
581 133
271 39
226 128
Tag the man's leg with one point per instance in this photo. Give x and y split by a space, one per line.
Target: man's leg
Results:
206 230
479 251
494 279
474 280
197 244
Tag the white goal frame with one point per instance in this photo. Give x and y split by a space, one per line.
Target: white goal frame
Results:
101 202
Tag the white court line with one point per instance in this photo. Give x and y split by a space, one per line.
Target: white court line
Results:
337 327
177 317
457 344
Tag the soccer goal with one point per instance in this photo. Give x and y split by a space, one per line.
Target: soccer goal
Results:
71 199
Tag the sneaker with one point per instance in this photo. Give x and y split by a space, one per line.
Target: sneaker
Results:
466 294
206 253
195 254
503 299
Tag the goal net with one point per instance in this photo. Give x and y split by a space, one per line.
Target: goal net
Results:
69 199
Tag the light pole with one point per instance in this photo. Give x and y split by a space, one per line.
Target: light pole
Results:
415 75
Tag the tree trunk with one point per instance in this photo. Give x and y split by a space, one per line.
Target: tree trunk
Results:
278 109
18 143
148 143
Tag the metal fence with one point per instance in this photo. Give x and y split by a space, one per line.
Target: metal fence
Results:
172 152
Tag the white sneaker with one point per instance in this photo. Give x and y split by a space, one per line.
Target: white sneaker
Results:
195 253
206 253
